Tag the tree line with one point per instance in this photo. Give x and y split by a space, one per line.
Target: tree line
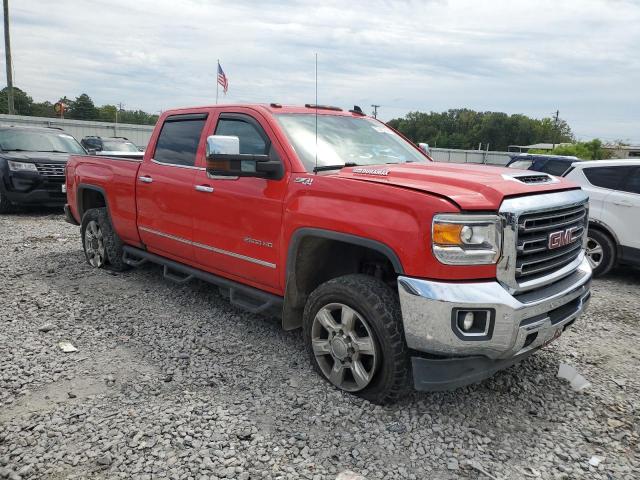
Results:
467 129
80 108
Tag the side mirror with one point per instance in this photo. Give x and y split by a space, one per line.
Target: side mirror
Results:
225 160
425 148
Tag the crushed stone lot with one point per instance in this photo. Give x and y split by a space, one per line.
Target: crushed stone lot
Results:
171 381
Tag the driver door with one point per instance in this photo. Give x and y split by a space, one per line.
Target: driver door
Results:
238 220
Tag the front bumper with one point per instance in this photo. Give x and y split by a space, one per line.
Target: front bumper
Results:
520 323
30 188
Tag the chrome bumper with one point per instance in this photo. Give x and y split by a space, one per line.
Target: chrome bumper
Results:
520 323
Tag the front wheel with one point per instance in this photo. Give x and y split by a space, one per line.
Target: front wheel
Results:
101 244
601 252
5 205
352 327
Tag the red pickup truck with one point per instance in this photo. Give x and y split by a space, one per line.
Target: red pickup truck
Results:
399 270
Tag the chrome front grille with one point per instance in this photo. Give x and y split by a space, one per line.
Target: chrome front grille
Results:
535 254
51 169
543 238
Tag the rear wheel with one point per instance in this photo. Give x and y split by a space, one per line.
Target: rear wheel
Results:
102 246
601 252
353 331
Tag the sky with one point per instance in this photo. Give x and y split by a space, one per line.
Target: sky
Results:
580 57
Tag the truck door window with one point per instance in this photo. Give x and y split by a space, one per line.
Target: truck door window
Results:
252 140
178 140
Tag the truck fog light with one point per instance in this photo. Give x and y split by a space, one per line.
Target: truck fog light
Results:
468 324
467 321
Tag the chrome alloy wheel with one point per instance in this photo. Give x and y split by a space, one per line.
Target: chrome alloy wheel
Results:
94 245
594 252
344 347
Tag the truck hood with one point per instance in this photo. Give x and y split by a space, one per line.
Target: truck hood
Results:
471 187
52 157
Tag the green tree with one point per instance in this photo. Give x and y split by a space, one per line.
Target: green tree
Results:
42 109
585 150
21 101
464 128
83 108
107 113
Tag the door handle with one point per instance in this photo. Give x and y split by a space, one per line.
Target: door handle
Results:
204 188
145 179
622 203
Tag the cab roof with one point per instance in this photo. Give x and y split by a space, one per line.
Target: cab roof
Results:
276 108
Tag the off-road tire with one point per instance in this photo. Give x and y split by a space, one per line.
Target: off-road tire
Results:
112 243
379 305
608 245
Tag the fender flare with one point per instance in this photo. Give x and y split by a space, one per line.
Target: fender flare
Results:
85 186
304 232
292 311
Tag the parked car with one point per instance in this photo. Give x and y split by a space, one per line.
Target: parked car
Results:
398 269
552 164
613 187
32 162
109 145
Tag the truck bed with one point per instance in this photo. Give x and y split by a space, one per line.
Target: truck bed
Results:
116 179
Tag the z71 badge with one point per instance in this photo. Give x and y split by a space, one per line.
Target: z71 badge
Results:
304 180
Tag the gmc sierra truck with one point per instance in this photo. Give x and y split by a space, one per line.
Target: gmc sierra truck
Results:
399 270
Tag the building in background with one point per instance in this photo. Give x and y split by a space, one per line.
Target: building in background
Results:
623 151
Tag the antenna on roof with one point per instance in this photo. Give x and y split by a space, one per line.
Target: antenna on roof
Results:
316 105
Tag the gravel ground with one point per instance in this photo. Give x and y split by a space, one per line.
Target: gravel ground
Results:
171 381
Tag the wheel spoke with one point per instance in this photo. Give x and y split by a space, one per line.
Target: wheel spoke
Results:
337 374
326 320
365 345
595 250
348 319
359 373
321 347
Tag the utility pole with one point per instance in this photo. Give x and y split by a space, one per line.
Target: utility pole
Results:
556 117
375 110
7 49
118 109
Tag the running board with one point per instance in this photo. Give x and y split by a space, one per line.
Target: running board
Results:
243 296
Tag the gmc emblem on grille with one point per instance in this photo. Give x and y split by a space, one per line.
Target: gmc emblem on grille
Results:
561 238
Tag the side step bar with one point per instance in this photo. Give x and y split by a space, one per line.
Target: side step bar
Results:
243 296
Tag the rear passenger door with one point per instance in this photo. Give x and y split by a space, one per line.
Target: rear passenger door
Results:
624 203
613 208
164 187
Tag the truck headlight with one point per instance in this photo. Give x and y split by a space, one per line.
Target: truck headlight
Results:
22 166
465 239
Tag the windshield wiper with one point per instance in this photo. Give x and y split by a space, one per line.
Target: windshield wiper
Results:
322 168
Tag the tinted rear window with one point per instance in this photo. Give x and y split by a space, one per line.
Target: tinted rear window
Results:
606 177
178 141
632 184
556 167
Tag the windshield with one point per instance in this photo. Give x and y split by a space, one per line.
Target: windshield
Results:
38 141
118 146
345 140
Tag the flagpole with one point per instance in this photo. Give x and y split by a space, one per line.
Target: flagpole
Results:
217 85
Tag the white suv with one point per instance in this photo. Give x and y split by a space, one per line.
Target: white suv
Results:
613 187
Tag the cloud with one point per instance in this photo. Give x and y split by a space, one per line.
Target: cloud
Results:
579 56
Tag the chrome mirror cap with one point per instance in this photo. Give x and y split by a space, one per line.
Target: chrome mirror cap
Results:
222 145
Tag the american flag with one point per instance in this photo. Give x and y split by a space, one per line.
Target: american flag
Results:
222 79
